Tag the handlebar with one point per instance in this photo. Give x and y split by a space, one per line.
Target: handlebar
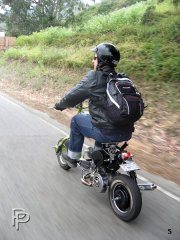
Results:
79 107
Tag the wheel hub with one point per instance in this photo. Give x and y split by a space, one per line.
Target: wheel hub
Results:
121 198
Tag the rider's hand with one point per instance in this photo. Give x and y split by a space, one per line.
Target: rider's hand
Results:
57 107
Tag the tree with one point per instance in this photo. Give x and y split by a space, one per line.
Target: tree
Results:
27 16
17 17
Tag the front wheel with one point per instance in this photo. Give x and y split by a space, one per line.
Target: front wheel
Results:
60 158
125 198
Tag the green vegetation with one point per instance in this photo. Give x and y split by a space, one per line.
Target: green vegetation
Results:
146 33
103 8
28 16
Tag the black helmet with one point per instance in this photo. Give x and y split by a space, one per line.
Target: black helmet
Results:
107 54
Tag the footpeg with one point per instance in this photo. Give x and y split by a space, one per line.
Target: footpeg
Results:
148 187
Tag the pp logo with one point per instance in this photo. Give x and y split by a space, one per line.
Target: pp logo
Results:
19 216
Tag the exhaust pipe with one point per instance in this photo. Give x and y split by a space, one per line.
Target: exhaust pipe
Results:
86 182
149 187
84 179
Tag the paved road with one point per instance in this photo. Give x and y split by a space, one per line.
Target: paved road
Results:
60 207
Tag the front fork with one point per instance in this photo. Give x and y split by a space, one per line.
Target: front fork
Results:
58 147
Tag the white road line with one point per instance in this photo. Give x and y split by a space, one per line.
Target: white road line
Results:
140 177
168 193
64 133
50 124
17 105
160 189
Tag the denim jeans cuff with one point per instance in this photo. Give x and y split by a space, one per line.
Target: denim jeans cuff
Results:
74 155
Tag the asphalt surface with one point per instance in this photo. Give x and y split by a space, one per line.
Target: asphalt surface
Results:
59 206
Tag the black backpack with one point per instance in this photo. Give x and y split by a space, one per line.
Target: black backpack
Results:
124 103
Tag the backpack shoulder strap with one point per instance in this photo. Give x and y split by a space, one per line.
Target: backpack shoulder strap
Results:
111 76
118 76
122 75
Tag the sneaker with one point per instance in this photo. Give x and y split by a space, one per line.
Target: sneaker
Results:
71 162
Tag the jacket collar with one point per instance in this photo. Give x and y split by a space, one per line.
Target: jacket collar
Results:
109 69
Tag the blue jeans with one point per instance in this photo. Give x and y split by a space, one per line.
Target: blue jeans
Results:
81 127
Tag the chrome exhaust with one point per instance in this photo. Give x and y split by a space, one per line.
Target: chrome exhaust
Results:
86 182
149 187
84 179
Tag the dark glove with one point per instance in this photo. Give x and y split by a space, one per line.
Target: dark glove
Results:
57 107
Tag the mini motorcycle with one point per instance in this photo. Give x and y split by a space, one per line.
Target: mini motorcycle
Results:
111 168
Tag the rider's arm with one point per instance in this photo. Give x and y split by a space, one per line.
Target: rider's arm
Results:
79 93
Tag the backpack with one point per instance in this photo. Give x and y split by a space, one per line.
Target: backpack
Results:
124 104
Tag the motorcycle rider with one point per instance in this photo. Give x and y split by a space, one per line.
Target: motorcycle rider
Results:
93 87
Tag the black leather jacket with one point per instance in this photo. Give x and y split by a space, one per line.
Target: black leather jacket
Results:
92 87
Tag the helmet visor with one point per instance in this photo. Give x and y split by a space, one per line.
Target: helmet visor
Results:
94 49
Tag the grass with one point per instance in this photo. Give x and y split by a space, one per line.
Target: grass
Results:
38 76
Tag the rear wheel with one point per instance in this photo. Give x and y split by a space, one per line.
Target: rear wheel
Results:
125 198
60 158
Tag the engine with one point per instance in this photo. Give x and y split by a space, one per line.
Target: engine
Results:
96 180
100 182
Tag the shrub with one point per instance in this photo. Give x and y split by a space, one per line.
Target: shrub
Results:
149 15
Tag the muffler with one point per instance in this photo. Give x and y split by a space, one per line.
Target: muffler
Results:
149 187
